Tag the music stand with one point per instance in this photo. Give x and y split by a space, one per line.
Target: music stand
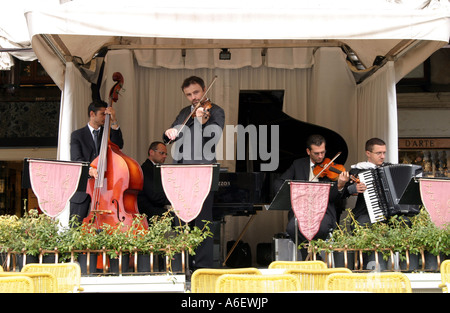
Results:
157 184
82 184
411 194
315 202
282 202
66 178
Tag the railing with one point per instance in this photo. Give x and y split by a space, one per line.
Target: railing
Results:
11 261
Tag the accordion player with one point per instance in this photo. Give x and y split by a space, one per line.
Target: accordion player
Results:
385 187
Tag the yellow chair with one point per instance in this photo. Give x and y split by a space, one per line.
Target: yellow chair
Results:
445 275
388 282
16 284
314 279
297 264
204 279
42 282
68 275
236 283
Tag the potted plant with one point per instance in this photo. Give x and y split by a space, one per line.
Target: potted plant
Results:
80 241
117 244
432 241
9 225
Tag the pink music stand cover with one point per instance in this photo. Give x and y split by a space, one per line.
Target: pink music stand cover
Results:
309 202
435 194
186 187
54 183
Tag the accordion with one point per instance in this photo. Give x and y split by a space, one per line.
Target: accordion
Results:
385 187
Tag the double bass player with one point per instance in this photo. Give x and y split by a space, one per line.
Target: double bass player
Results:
83 147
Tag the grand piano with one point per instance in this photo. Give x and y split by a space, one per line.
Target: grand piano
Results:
248 189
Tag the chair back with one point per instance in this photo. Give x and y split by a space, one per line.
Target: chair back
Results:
445 275
236 283
16 284
42 282
297 264
204 279
68 275
314 279
369 282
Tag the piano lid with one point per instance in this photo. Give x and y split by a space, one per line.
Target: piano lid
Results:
264 107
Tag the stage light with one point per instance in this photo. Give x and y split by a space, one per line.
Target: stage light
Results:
225 54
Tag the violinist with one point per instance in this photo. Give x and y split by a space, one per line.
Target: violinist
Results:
303 169
83 147
203 129
194 143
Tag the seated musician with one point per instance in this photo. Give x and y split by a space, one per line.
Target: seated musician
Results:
302 169
375 152
150 201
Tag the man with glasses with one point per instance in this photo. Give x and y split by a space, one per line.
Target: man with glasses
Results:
151 202
302 169
376 153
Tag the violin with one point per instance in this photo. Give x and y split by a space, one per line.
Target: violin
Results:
331 170
206 105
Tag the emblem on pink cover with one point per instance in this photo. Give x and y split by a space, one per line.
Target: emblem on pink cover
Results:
309 202
54 183
435 194
186 187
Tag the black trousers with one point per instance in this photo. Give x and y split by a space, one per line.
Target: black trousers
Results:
204 253
203 257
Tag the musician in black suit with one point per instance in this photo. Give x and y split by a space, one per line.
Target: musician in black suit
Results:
150 201
375 152
302 169
195 143
83 148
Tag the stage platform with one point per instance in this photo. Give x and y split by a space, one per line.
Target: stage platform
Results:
164 283
134 283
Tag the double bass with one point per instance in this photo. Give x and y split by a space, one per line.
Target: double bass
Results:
120 178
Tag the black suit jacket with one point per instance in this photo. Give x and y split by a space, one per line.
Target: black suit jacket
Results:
299 170
217 119
82 148
150 201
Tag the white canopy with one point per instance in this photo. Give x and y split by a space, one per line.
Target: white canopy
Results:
304 47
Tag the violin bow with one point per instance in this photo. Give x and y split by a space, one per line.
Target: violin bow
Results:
326 166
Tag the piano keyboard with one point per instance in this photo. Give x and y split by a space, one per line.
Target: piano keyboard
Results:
371 197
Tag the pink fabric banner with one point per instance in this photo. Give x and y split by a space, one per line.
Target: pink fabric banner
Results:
54 183
186 187
435 194
309 202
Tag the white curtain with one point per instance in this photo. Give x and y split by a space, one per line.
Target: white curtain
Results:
377 112
332 102
75 99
